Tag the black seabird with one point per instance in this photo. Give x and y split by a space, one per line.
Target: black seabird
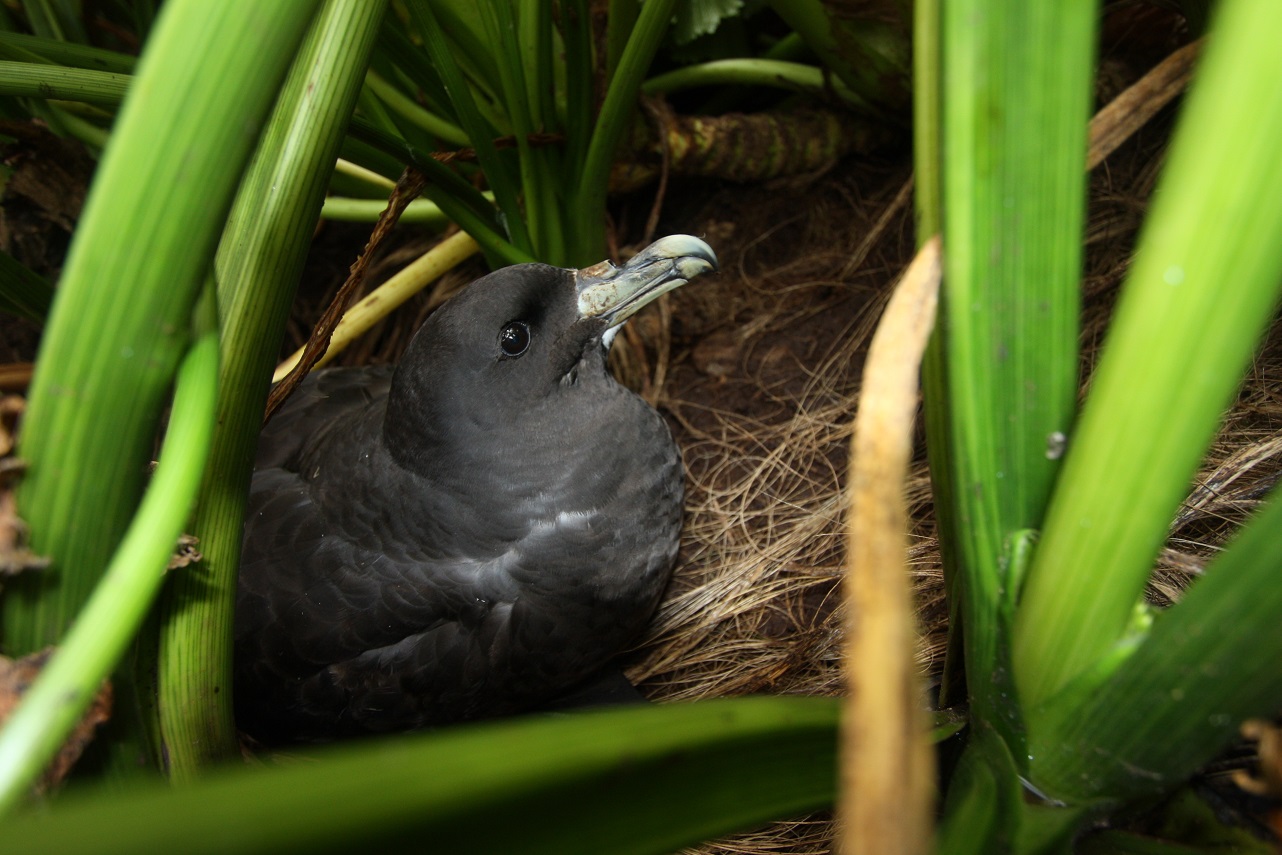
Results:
471 534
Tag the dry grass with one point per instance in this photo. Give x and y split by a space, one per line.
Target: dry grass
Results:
758 370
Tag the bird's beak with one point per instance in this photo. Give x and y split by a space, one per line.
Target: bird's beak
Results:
617 293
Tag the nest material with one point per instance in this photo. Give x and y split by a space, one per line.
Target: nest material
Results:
758 370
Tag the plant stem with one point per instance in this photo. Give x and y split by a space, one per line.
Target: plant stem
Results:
346 209
385 299
1015 104
407 107
588 201
258 265
20 46
746 72
37 80
103 630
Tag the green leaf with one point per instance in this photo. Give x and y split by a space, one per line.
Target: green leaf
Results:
1203 286
1208 663
25 48
626 781
586 230
502 179
702 17
38 80
1001 381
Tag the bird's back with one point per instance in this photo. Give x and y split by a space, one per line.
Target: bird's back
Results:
374 599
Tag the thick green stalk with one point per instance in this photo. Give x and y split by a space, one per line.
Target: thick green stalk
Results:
134 270
1202 288
38 80
258 265
20 46
1207 664
1015 103
103 630
369 210
629 781
929 209
587 230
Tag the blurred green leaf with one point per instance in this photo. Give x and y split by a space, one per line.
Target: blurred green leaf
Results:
646 779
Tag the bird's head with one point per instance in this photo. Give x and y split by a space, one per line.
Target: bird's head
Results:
511 341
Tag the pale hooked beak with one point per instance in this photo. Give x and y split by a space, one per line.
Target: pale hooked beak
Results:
617 293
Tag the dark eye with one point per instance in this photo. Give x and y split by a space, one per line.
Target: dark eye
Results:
514 338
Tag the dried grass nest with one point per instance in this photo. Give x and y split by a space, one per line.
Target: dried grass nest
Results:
758 371
762 396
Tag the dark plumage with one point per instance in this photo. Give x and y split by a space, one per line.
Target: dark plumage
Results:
471 534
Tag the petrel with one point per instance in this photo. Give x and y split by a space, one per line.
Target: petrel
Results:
471 534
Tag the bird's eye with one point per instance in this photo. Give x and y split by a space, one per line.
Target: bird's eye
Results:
514 338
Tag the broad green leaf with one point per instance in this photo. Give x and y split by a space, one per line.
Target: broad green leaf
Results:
1002 382
1203 286
648 779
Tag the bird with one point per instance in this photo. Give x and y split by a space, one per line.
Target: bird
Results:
472 533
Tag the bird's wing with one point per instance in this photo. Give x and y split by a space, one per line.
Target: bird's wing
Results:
312 602
326 397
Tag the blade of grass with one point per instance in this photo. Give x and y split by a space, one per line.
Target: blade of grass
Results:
396 50
541 167
102 631
460 23
626 781
259 262
928 207
1207 270
577 39
408 108
621 20
502 179
460 201
54 19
